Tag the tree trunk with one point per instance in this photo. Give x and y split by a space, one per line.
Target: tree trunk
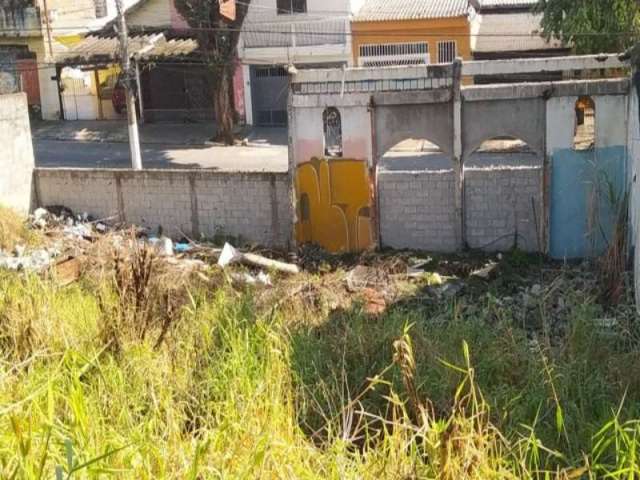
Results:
223 106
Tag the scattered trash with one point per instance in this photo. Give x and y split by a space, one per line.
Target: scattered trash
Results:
485 273
166 247
449 290
182 247
79 230
362 277
35 260
248 279
231 255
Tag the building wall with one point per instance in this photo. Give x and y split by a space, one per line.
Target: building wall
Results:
153 13
262 10
16 161
252 206
431 31
49 103
417 210
309 128
582 207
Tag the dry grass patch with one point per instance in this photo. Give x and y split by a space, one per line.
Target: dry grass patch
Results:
13 230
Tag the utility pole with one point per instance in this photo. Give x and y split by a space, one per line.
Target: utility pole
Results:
127 77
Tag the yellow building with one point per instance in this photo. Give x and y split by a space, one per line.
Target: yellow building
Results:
410 32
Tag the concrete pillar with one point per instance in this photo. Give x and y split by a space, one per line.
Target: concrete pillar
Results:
292 168
16 161
457 153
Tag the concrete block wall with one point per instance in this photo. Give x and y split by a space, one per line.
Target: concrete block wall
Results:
498 202
253 206
16 160
417 210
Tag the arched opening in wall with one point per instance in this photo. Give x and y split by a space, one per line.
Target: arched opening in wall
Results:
332 126
584 137
503 151
415 154
503 180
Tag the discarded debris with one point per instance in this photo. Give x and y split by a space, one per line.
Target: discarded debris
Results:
261 279
67 271
36 260
375 303
485 273
231 255
363 277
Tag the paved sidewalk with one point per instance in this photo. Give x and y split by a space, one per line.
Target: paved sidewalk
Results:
115 131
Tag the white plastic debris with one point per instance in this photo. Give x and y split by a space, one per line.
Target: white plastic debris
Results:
79 230
166 247
261 279
35 260
229 255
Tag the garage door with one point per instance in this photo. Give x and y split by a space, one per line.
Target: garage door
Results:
269 90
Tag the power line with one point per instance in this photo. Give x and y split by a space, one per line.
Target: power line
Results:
392 33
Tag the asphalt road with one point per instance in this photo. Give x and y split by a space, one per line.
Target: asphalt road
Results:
53 153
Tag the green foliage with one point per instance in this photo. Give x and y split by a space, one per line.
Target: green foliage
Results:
458 389
592 26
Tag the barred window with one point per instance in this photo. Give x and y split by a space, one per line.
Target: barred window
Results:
291 6
101 8
382 54
447 51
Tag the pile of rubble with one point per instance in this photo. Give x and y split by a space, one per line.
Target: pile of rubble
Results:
68 237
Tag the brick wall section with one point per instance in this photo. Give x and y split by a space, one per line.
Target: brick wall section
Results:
417 210
498 202
92 191
254 206
16 159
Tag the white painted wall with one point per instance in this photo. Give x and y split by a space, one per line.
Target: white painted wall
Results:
356 134
265 10
16 161
560 123
611 130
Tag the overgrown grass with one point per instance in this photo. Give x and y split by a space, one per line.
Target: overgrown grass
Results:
452 389
13 230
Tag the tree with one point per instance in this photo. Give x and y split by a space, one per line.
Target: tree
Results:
218 41
591 26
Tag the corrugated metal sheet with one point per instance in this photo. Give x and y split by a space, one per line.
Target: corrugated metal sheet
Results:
384 10
99 49
511 32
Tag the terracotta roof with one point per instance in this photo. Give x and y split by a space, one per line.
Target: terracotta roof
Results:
96 49
384 10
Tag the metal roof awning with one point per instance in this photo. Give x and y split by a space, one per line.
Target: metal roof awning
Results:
100 49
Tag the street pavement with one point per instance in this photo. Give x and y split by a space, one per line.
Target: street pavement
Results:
105 145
